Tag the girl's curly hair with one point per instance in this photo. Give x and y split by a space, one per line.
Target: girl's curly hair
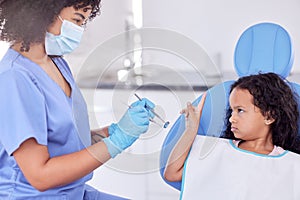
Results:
275 99
26 21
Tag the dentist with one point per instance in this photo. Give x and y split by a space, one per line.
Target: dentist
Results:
45 141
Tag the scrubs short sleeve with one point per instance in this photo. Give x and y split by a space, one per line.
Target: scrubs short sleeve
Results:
23 110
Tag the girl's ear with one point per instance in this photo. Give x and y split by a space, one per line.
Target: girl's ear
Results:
268 119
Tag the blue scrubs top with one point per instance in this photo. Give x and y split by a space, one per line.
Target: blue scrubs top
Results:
32 105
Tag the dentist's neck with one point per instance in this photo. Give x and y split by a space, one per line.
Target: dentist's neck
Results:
36 52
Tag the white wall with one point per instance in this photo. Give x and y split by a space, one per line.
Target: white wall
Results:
215 24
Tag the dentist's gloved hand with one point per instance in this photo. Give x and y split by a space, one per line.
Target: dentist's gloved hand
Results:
133 123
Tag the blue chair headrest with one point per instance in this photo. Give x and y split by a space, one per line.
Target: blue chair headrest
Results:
264 47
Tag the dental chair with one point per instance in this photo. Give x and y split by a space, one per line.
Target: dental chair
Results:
264 47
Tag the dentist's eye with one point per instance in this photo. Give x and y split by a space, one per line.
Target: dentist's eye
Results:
77 21
86 9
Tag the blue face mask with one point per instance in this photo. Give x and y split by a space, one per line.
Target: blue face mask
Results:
66 42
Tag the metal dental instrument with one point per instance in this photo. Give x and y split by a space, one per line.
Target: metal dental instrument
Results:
165 123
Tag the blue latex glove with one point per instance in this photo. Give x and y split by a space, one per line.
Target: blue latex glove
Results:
147 104
133 123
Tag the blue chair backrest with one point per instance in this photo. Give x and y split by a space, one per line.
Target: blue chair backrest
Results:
264 47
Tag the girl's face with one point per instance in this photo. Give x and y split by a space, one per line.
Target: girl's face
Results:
247 121
78 17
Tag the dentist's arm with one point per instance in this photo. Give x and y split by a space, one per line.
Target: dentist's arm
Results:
44 172
99 134
174 167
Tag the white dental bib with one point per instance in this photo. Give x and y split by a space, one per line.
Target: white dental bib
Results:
217 170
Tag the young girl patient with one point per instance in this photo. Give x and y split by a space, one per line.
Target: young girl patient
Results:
256 160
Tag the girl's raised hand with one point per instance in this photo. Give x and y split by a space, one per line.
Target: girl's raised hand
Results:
193 114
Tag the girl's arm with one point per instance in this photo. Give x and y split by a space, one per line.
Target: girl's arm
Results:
43 172
174 167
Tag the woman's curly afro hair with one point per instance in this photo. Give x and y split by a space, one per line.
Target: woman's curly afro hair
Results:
26 21
275 99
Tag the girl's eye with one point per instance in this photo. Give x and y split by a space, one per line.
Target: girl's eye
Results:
240 110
